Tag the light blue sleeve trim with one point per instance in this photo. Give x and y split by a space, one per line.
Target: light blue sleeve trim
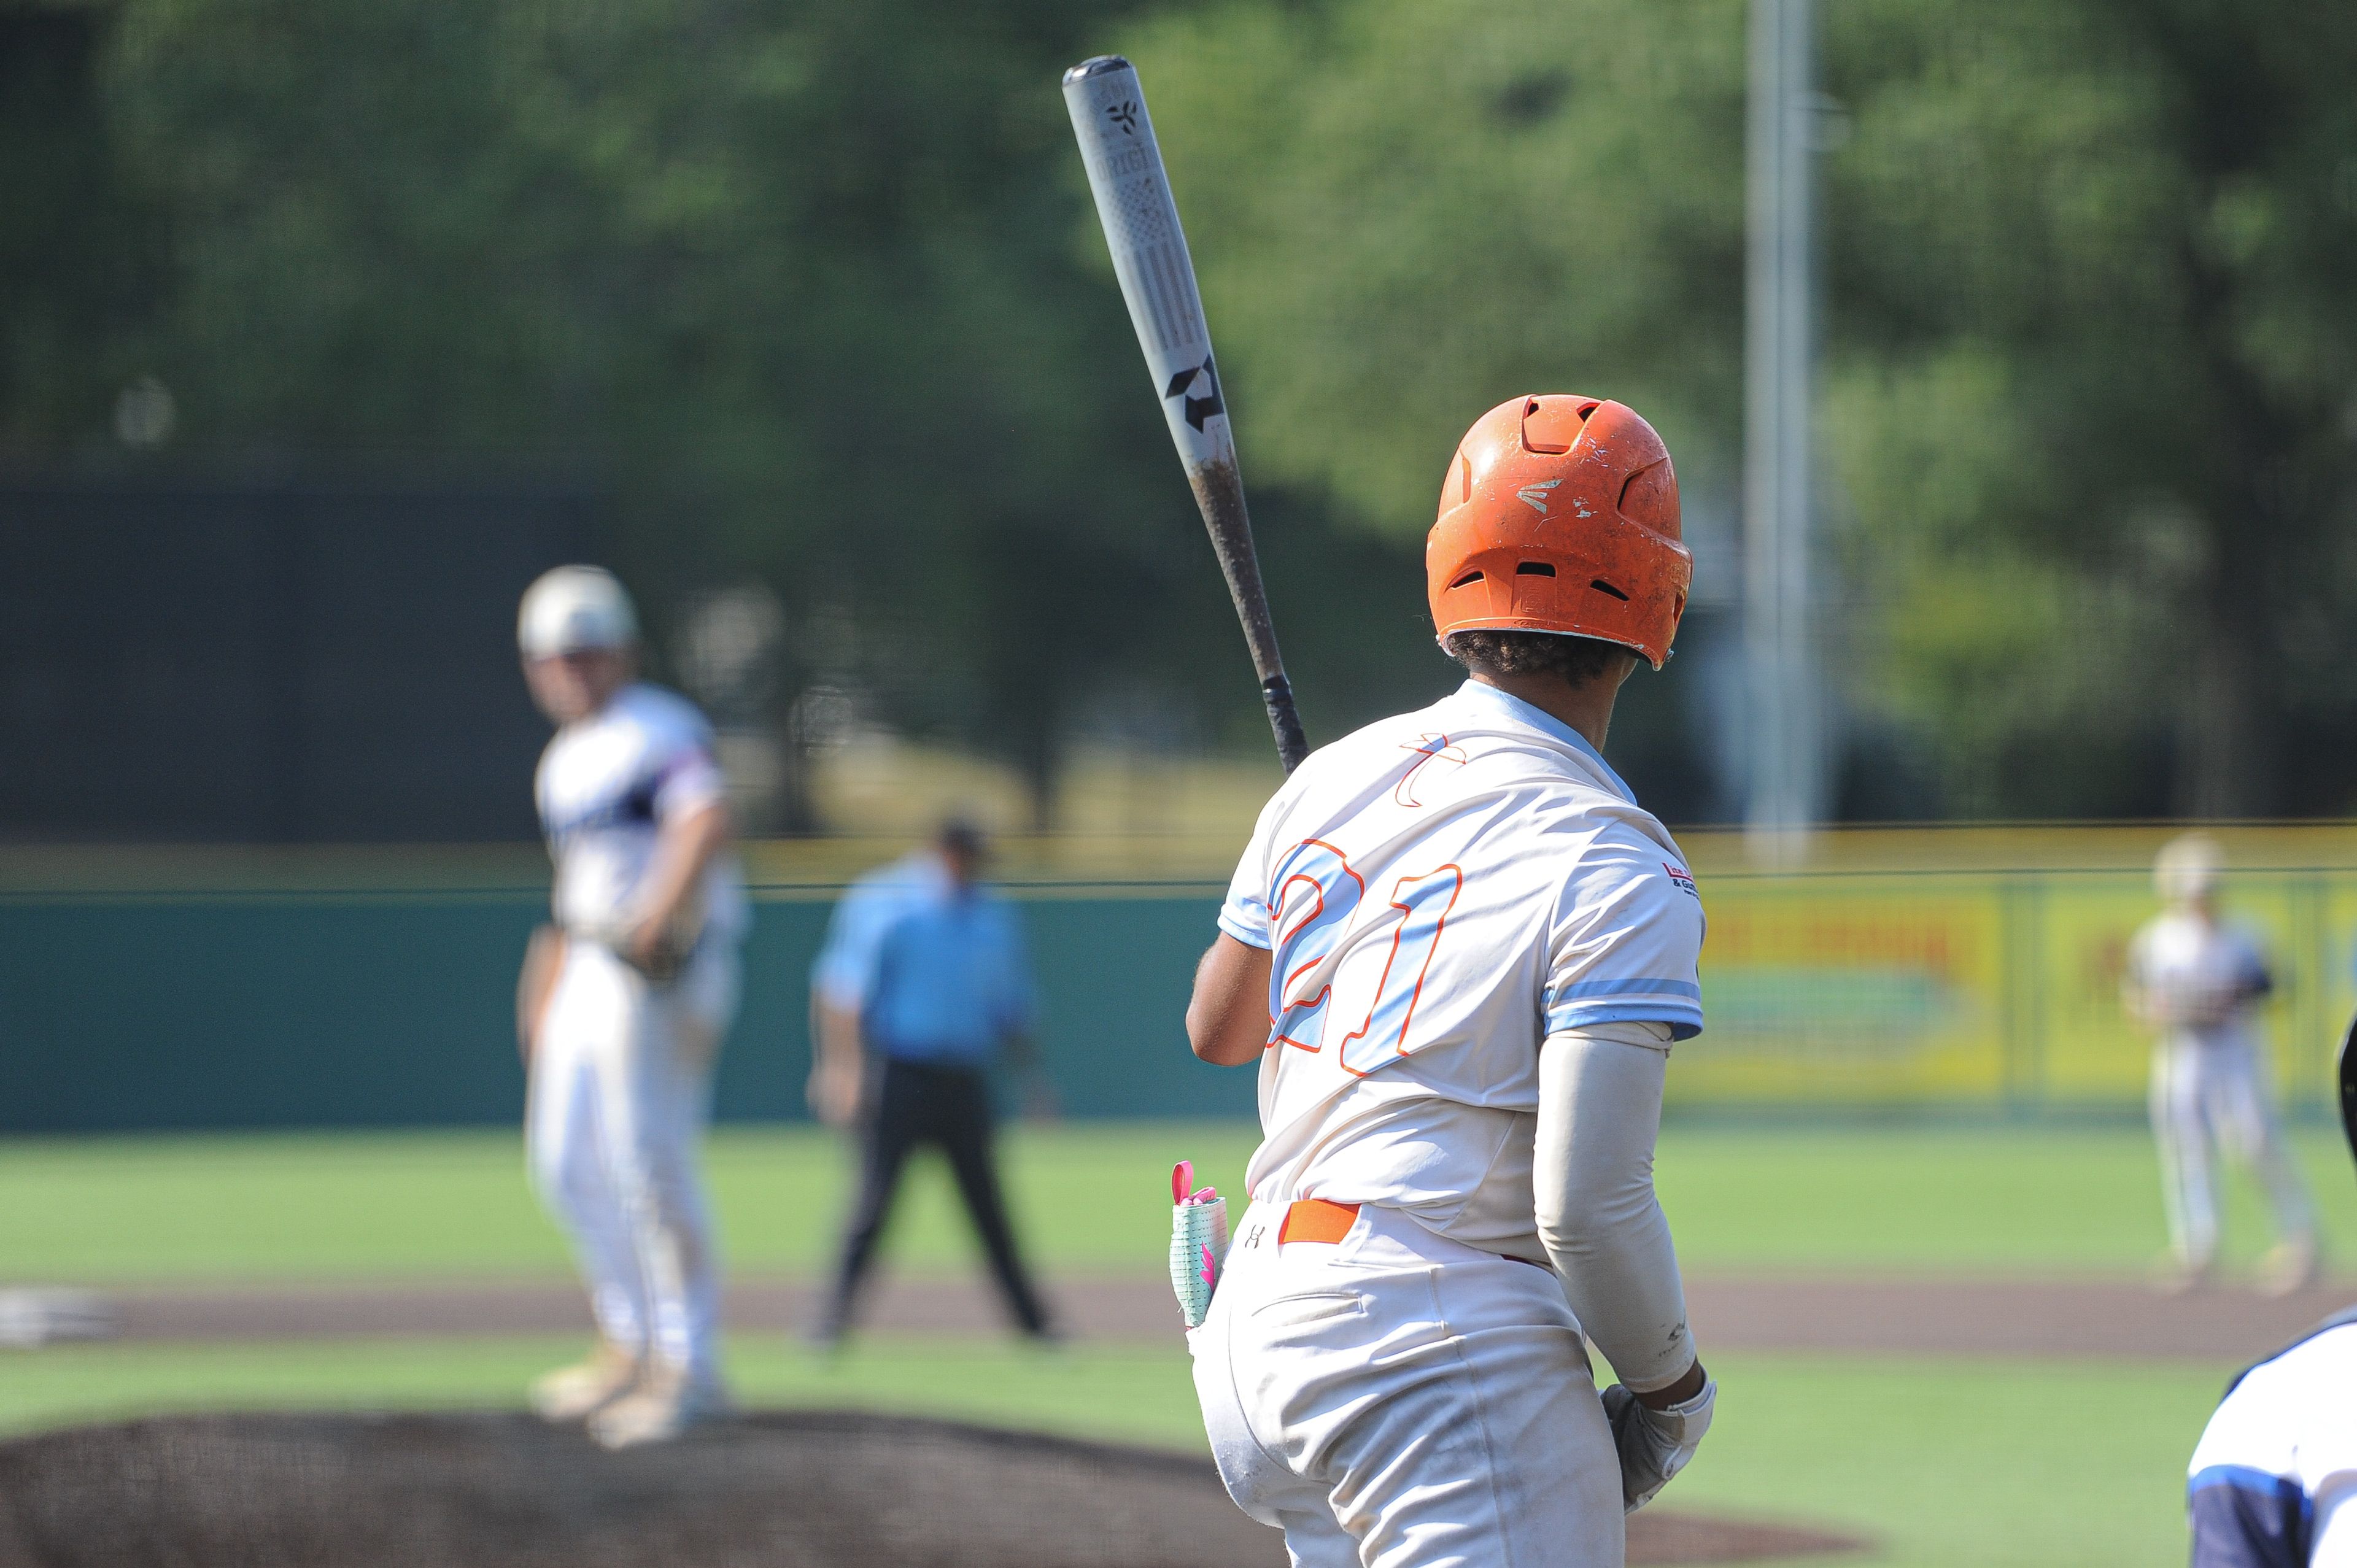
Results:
1686 988
1242 932
2243 1516
1683 1018
2249 1479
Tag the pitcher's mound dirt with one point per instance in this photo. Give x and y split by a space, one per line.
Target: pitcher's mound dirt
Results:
800 1490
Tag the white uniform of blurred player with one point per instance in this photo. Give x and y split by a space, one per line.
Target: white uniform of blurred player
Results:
622 1007
2274 1480
1460 951
2196 980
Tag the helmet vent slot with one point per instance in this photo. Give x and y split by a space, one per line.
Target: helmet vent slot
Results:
1550 425
1535 569
1601 586
1465 581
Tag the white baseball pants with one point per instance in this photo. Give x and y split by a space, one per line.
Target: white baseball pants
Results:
1396 1400
619 1093
2209 1097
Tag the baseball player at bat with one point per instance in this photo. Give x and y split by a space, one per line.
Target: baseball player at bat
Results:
1461 951
622 1008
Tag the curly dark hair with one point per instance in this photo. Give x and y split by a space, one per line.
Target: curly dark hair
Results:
1577 660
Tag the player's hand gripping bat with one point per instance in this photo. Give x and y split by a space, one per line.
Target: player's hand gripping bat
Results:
1149 257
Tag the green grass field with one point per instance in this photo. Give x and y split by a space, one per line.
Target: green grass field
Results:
1943 1461
412 1204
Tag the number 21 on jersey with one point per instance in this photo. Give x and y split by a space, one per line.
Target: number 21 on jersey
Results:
1314 903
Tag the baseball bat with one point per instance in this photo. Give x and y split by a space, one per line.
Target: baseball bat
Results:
1157 280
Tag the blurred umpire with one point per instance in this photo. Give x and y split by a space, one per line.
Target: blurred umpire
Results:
2274 1480
921 986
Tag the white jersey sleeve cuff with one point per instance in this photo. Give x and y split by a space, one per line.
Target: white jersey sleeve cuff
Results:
1252 935
689 783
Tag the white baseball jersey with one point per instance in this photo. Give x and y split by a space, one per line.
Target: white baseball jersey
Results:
1439 891
2211 1094
606 783
2274 1480
2198 977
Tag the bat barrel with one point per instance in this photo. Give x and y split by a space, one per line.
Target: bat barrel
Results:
1157 282
1149 252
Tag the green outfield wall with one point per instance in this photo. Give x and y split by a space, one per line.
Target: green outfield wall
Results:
146 990
372 1007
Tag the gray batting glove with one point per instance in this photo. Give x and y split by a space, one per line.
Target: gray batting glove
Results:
1655 1444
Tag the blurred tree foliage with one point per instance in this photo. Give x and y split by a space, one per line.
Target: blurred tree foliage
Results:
2091 373
2095 392
1423 209
77 247
1406 213
798 282
813 289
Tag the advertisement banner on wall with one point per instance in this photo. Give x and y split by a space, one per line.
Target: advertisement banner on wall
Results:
1849 989
1997 989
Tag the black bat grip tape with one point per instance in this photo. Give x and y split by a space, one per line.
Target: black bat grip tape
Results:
1292 745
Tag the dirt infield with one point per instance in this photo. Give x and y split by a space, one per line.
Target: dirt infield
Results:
812 1490
2008 1317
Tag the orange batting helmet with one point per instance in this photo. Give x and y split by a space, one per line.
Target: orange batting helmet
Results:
1561 514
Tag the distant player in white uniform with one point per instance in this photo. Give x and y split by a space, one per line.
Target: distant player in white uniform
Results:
2195 980
2274 1480
1461 951
622 1008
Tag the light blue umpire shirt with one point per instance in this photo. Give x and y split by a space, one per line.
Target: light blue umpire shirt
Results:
937 973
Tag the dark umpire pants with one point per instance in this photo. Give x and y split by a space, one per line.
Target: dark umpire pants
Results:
915 1104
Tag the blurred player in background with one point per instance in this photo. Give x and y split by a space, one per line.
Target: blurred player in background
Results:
2274 1480
2197 980
622 1005
1460 951
922 985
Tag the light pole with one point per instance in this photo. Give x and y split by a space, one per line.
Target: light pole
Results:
1785 720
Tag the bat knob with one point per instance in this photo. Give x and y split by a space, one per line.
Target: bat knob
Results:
1096 65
